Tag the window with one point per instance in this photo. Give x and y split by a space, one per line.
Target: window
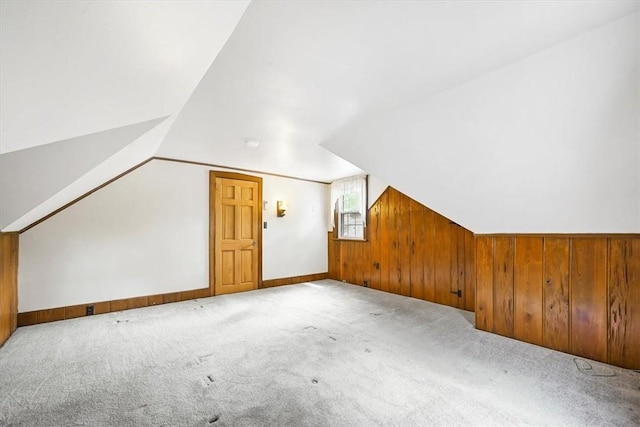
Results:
349 199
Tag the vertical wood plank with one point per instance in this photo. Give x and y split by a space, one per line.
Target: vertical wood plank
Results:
366 259
588 298
395 267
503 285
484 283
624 302
374 245
429 262
358 277
8 284
348 261
556 293
334 257
527 277
416 219
404 241
443 260
469 271
458 264
385 240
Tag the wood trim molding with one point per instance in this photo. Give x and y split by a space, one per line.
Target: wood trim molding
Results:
71 312
88 193
80 310
144 162
564 235
294 280
212 165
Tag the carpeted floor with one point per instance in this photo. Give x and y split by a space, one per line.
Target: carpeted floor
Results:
318 354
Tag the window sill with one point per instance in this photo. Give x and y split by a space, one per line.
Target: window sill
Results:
344 239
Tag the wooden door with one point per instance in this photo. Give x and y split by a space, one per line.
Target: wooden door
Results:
236 232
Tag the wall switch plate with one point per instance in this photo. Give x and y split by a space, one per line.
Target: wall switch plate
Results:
265 225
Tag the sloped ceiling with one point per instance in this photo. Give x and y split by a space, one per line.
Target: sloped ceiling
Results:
306 79
77 68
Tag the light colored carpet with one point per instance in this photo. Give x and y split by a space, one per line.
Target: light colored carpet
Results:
321 353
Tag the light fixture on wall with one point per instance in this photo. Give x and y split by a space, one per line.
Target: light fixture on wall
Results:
282 208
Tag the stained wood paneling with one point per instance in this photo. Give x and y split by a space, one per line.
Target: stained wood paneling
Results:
404 241
374 244
503 285
556 293
458 264
588 298
469 271
443 261
429 265
395 261
8 285
410 250
358 248
527 278
416 219
624 303
484 283
575 293
385 240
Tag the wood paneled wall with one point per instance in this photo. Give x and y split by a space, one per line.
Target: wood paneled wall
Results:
576 294
8 284
410 250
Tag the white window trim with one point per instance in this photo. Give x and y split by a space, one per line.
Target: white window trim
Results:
345 186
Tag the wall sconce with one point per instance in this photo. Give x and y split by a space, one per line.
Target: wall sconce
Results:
282 208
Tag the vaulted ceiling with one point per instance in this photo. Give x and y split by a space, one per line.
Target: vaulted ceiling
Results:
90 89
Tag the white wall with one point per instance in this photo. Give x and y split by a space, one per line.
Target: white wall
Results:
375 189
147 233
548 144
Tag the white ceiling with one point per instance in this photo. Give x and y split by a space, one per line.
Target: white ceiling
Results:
291 74
78 67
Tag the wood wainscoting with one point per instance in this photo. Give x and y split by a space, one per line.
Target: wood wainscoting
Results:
576 294
410 250
8 284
